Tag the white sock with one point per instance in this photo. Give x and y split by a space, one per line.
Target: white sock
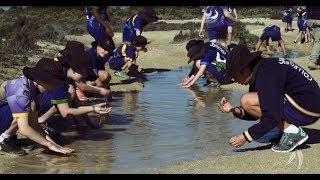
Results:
291 129
3 136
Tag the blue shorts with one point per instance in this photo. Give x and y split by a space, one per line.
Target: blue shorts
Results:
116 63
274 35
293 116
289 20
217 32
128 34
98 32
284 19
5 117
302 26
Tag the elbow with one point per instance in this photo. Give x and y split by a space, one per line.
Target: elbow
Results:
65 113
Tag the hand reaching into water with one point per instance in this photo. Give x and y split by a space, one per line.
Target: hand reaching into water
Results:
225 106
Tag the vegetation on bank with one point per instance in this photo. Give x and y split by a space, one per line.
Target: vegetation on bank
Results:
21 27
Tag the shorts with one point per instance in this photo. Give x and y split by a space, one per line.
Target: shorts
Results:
5 117
293 116
301 25
219 32
116 63
274 35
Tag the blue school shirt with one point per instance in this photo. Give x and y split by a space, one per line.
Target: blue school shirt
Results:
135 22
57 95
214 16
98 62
215 56
102 12
274 78
19 94
125 50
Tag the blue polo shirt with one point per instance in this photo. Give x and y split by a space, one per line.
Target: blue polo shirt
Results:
274 78
135 22
19 94
57 95
215 59
214 16
98 62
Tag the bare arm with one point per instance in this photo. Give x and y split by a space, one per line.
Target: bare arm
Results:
203 20
258 45
47 114
26 130
65 110
105 24
229 16
89 88
197 76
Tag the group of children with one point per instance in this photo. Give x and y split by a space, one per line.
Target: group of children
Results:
56 84
295 94
52 86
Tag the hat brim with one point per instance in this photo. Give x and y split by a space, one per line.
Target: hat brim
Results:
230 75
42 77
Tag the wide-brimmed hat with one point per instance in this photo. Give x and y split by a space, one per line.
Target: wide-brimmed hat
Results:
237 59
75 57
192 43
149 15
196 51
46 71
106 44
141 40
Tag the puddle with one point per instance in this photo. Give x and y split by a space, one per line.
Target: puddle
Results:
161 125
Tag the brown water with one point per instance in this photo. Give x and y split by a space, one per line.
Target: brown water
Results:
161 125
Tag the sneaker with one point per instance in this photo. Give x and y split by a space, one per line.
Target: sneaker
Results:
289 141
49 130
81 95
121 73
8 146
21 144
294 41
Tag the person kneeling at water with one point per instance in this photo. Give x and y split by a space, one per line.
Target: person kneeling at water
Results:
208 58
280 94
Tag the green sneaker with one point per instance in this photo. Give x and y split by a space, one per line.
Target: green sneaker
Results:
289 141
122 73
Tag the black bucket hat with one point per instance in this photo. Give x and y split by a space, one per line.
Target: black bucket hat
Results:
141 40
196 49
106 45
46 71
239 58
149 15
192 43
75 56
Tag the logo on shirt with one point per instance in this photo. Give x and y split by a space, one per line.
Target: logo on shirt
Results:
219 63
296 67
212 16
